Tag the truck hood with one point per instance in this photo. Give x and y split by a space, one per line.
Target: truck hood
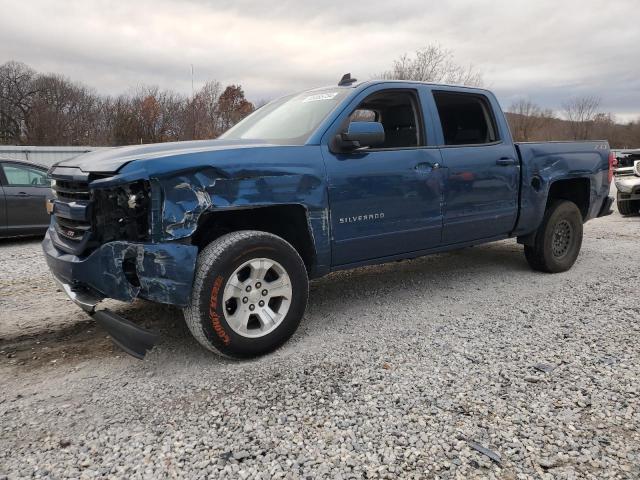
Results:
113 159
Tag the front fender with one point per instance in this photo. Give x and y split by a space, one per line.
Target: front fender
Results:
187 196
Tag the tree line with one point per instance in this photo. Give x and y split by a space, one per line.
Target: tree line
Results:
49 109
579 118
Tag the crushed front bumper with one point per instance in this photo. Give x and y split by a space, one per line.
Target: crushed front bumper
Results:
161 272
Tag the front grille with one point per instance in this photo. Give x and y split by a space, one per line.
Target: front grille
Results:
87 217
72 213
72 190
77 228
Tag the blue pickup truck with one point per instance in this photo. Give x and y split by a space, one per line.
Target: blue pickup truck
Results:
232 229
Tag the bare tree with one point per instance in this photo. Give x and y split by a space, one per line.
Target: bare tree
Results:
17 88
61 113
581 113
157 115
606 128
432 64
201 115
527 119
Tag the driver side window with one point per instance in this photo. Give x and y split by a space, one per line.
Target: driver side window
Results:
400 115
18 175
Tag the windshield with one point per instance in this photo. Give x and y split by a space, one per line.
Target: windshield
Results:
289 120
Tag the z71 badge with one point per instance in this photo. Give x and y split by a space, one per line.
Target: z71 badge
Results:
362 218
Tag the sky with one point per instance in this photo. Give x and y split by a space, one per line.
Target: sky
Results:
547 51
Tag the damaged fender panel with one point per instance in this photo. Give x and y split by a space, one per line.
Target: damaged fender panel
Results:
123 270
548 162
189 194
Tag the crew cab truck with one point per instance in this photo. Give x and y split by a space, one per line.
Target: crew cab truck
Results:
232 229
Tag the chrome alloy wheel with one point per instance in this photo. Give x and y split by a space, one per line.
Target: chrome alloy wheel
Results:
562 237
257 297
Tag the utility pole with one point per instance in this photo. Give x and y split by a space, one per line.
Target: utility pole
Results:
193 106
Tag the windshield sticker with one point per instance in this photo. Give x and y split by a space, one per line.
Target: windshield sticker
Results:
320 96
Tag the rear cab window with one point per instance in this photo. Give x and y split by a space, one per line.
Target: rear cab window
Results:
466 118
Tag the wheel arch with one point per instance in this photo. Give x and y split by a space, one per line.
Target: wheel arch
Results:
576 190
290 222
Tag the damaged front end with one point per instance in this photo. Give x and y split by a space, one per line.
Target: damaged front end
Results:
130 228
99 245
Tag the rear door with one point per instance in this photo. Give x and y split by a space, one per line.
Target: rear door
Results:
26 189
483 171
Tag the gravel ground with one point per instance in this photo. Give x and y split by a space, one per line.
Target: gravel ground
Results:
459 365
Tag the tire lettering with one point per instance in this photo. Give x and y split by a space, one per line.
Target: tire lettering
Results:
213 314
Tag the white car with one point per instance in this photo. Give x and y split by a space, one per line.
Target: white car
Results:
627 178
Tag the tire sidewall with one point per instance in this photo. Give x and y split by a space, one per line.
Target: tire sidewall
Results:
563 211
211 310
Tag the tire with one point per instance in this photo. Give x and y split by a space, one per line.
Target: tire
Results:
558 239
627 207
219 314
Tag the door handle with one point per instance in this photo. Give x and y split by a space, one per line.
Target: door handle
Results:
427 166
22 194
506 161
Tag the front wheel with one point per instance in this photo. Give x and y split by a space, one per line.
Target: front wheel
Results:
249 294
558 239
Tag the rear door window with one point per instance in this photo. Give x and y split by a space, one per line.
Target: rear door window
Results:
466 119
19 175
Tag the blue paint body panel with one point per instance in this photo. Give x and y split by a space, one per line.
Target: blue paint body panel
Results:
362 208
164 270
553 161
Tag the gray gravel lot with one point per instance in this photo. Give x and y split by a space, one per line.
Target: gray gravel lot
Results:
404 370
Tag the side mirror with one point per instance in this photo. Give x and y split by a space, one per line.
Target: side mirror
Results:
361 135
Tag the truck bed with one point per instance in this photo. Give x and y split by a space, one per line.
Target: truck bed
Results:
543 163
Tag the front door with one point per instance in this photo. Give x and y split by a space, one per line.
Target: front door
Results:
385 201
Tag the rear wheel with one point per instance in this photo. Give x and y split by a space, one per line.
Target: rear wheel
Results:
249 294
558 240
627 207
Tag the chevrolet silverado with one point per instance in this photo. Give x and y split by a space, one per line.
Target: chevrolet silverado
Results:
231 230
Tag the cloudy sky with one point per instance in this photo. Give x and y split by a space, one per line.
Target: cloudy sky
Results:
545 50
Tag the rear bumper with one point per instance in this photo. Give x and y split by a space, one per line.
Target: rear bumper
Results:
606 207
160 272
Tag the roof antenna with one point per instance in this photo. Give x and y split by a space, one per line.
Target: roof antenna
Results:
346 80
